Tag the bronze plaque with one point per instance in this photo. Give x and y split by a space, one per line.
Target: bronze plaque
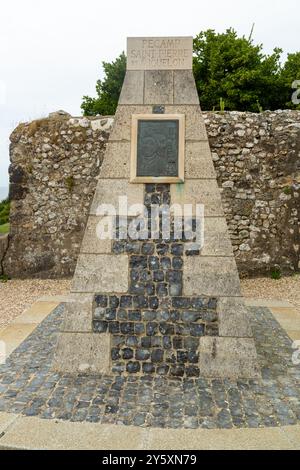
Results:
157 147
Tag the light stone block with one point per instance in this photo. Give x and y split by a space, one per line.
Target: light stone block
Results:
233 321
194 123
32 433
159 53
91 243
101 273
185 91
205 192
78 313
216 238
211 276
109 191
116 162
122 124
6 420
158 87
82 353
133 88
228 358
198 161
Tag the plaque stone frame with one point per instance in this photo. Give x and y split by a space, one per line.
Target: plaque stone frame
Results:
134 177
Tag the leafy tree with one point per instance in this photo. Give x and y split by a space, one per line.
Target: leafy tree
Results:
235 69
291 73
108 90
228 70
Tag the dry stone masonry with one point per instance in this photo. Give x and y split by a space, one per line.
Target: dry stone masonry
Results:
138 308
55 163
257 160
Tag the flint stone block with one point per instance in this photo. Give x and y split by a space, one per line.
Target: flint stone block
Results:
133 367
139 329
101 300
228 357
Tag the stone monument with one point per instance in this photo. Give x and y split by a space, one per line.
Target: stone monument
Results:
157 305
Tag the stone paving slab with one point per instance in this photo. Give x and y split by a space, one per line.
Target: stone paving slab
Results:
220 439
294 334
15 333
6 419
293 435
36 313
36 433
289 320
55 298
267 303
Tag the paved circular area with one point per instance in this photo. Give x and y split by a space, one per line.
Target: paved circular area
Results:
28 386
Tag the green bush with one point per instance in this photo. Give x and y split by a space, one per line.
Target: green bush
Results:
4 211
276 273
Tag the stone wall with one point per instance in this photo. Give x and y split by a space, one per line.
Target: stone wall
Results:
53 173
3 248
55 163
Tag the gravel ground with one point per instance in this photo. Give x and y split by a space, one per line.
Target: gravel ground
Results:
287 288
17 295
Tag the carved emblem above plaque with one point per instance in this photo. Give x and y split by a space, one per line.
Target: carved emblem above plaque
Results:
157 148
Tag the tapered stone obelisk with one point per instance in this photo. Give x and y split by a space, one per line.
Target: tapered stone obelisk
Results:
151 307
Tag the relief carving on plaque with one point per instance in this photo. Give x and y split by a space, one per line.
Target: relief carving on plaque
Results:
157 148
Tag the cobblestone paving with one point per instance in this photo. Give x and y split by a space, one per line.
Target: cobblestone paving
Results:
28 386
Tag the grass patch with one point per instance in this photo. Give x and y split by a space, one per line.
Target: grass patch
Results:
276 273
70 183
4 228
287 190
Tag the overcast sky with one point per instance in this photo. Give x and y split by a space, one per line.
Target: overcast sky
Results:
51 51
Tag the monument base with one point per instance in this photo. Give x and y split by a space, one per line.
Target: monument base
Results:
151 306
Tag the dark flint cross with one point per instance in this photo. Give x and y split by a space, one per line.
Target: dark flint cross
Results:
154 328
